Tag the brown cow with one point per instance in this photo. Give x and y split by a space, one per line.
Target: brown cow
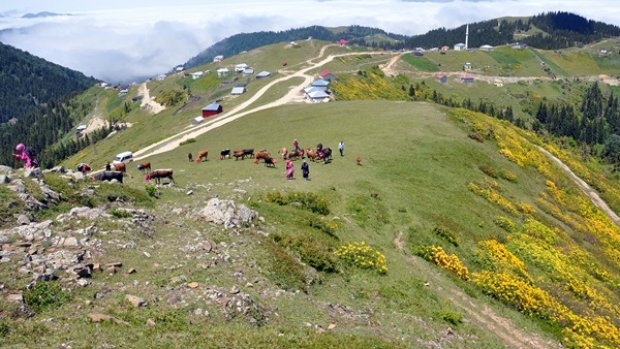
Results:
263 154
145 166
295 154
239 154
119 166
202 155
312 155
158 174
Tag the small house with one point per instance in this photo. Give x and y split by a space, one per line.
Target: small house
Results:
442 78
179 68
80 129
518 46
317 96
459 47
343 42
211 109
486 48
263 74
248 71
123 92
222 72
327 75
237 90
197 120
467 79
218 58
160 77
197 75
320 83
467 66
311 89
239 68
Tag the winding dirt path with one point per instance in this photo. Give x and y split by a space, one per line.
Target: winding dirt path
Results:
148 103
172 142
590 193
502 327
388 68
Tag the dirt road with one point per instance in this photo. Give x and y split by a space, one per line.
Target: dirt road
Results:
591 193
148 103
172 142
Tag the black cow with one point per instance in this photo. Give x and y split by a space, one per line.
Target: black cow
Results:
108 176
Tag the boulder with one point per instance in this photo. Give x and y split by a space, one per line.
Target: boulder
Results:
228 213
135 301
33 173
6 170
5 179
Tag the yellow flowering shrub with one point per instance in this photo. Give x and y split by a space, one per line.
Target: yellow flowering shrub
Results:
452 263
494 197
506 223
361 255
538 230
498 255
526 208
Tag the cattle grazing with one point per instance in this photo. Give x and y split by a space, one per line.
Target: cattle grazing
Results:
270 162
108 176
224 153
295 154
358 159
239 154
144 167
202 155
249 153
325 154
263 154
118 166
158 174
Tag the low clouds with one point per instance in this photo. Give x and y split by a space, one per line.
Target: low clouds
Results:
122 43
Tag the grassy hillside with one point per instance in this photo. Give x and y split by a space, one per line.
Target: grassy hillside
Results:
527 245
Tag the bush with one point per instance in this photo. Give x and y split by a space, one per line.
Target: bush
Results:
447 235
452 263
506 224
308 201
44 295
477 136
488 170
120 213
284 270
360 255
449 317
507 175
188 141
311 251
323 224
152 191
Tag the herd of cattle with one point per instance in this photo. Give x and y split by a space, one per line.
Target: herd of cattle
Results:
117 171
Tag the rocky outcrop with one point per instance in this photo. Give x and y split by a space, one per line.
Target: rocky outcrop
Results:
228 213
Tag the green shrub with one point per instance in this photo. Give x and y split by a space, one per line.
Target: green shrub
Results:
446 234
284 270
311 251
120 213
449 317
152 191
327 226
307 201
477 136
188 141
488 170
506 224
360 255
44 295
507 175
33 189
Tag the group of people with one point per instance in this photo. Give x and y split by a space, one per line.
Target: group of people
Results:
305 167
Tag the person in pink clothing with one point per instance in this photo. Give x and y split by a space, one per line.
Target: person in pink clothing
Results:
290 170
26 155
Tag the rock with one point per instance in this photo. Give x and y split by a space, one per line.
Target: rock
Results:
207 246
135 301
58 169
131 271
15 298
228 213
261 219
150 322
192 285
146 254
83 282
71 242
331 326
189 192
5 170
97 267
30 232
235 290
97 317
173 299
33 173
22 219
177 211
4 179
114 264
198 312
111 270
240 191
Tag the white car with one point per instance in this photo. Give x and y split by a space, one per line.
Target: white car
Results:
123 157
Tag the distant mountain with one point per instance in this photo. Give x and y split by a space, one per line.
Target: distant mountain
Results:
44 14
248 41
552 30
33 92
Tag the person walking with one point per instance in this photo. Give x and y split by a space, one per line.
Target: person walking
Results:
305 170
290 169
189 157
108 167
341 148
296 145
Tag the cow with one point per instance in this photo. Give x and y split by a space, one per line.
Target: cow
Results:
145 166
118 166
158 174
108 176
224 153
312 155
202 155
325 154
270 162
239 154
249 153
295 154
84 168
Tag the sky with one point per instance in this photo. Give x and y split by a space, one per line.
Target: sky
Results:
127 41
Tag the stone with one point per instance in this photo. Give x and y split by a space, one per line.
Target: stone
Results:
97 267
146 254
97 317
5 170
33 173
135 301
228 213
173 299
150 322
83 282
15 298
4 179
189 192
22 219
331 326
71 242
111 270
192 285
198 312
235 290
207 246
114 264
131 271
